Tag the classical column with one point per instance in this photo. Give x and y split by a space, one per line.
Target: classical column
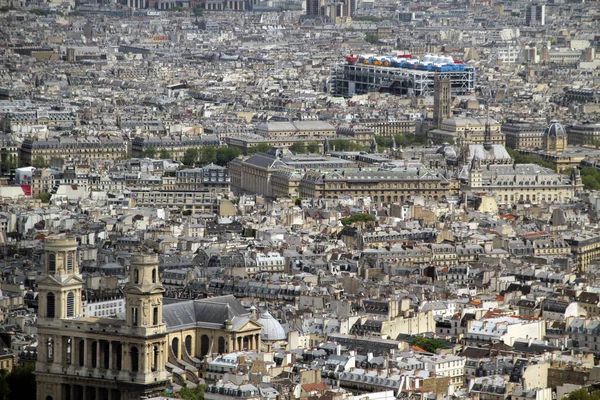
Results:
74 351
98 354
125 361
110 355
143 357
87 351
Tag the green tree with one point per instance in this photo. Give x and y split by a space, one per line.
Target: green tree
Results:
590 183
583 394
21 383
227 154
371 38
197 11
196 393
208 155
360 217
165 155
313 148
40 162
430 345
4 388
261 148
191 156
298 201
150 152
44 197
346 145
298 148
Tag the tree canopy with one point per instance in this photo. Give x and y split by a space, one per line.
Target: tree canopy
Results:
590 177
430 345
530 159
18 384
298 148
360 217
261 148
583 394
346 145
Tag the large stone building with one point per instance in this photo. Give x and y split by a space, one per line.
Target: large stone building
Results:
383 186
523 135
176 146
295 128
529 183
584 134
255 173
468 130
98 358
91 149
197 328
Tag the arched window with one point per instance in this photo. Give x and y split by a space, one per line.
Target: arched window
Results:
135 359
51 263
50 350
70 305
155 316
188 344
70 261
221 345
175 347
50 302
154 276
136 276
204 345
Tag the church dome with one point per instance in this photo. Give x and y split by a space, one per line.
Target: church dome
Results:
555 129
447 150
271 328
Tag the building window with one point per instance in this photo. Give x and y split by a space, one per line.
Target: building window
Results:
155 359
70 305
155 316
154 276
135 359
134 316
221 345
51 263
81 352
188 344
50 350
50 302
175 347
136 276
70 261
94 354
69 351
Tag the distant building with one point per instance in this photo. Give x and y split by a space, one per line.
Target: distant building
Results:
523 135
442 101
535 15
584 134
210 177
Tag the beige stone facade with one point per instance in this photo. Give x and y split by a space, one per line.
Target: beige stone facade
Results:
98 358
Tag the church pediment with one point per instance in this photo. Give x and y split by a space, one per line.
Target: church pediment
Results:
249 327
56 281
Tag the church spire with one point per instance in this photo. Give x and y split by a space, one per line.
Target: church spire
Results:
373 148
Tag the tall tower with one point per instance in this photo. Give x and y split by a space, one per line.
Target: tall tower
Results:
60 285
442 100
98 358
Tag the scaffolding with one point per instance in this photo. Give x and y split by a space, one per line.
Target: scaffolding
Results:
349 79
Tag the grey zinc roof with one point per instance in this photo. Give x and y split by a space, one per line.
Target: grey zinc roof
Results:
205 312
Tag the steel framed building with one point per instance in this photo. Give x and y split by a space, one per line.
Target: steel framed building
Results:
349 79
